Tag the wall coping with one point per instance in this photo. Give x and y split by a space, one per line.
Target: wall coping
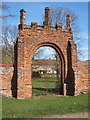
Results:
6 65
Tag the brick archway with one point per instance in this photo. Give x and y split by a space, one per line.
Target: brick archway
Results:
33 36
58 50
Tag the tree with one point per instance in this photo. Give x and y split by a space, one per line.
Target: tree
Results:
4 7
58 14
58 66
9 35
38 53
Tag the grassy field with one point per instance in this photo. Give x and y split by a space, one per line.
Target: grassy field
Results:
39 107
44 82
44 85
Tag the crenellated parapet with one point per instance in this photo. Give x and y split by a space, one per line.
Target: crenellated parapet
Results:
46 24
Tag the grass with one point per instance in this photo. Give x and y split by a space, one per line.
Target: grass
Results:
44 82
39 107
48 83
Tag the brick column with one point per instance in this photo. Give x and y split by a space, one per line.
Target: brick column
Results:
20 68
27 72
68 26
22 16
22 19
24 87
74 82
47 17
75 69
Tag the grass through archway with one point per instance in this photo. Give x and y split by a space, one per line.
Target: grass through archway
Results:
46 85
45 66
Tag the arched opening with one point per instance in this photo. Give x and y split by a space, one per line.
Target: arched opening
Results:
48 70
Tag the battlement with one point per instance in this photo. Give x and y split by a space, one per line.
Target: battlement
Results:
41 28
46 24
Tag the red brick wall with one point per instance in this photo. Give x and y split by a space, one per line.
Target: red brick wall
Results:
84 77
6 78
6 71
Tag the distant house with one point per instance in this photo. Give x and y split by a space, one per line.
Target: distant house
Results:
44 66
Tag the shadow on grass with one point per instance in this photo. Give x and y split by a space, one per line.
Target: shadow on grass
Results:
45 91
44 81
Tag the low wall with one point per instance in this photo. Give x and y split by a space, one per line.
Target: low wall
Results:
6 71
84 76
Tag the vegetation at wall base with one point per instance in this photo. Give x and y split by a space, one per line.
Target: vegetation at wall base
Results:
38 107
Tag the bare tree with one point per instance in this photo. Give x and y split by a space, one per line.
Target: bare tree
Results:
9 35
4 7
38 53
58 14
58 66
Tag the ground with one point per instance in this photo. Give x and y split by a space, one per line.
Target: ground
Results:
74 115
44 107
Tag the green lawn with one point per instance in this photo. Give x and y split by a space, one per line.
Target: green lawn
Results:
44 85
44 82
39 107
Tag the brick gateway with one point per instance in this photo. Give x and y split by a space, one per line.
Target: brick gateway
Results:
16 79
31 37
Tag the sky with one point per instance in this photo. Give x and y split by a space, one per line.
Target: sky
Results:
35 13
46 0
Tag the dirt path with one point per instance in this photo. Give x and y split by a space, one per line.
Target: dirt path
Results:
74 115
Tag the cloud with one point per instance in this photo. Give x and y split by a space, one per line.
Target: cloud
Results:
82 48
84 36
